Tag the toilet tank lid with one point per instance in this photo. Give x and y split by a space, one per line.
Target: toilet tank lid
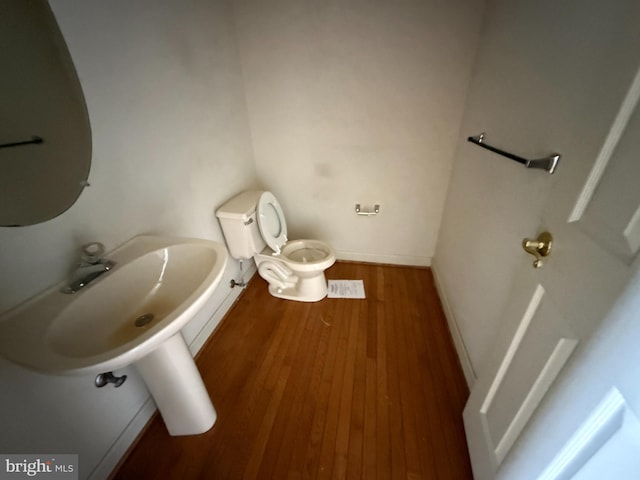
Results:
241 206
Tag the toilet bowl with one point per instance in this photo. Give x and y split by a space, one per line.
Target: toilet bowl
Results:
254 226
298 272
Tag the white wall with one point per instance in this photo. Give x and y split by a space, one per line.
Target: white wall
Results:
538 86
358 102
170 144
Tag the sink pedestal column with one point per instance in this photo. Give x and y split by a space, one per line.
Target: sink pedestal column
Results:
174 381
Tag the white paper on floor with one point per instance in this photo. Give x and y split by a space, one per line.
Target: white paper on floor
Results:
346 289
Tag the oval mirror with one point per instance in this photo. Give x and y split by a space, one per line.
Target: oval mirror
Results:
45 136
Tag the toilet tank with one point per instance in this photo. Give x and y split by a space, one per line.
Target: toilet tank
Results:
239 226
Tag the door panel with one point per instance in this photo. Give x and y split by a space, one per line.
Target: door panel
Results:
605 446
613 185
539 349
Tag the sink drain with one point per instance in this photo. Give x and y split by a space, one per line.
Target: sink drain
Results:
143 320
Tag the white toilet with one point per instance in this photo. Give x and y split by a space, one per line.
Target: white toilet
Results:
254 226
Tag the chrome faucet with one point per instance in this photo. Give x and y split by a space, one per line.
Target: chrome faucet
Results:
91 266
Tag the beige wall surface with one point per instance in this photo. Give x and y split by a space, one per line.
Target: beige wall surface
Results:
358 102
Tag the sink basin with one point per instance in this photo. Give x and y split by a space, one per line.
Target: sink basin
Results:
94 330
142 303
132 314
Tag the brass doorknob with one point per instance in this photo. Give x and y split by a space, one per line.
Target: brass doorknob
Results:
539 247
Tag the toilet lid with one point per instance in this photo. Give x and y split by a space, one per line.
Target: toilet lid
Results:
271 222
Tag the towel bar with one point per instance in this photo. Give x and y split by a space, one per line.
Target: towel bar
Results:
548 163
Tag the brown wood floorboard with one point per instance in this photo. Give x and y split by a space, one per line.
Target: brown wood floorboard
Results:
338 389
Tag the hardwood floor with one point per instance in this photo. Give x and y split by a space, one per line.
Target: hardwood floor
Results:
342 388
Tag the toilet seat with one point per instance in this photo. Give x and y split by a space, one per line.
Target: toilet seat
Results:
306 255
271 222
294 269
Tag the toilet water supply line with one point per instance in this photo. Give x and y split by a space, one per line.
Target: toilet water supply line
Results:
241 283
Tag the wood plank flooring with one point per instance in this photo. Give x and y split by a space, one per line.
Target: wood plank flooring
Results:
359 389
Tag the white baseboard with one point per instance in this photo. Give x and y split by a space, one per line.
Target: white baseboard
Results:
413 260
122 443
458 341
138 422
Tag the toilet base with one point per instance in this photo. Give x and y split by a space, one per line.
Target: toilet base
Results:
311 289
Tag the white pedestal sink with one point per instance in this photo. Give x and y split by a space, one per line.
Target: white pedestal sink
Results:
131 315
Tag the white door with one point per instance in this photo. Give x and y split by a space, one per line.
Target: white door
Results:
593 214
